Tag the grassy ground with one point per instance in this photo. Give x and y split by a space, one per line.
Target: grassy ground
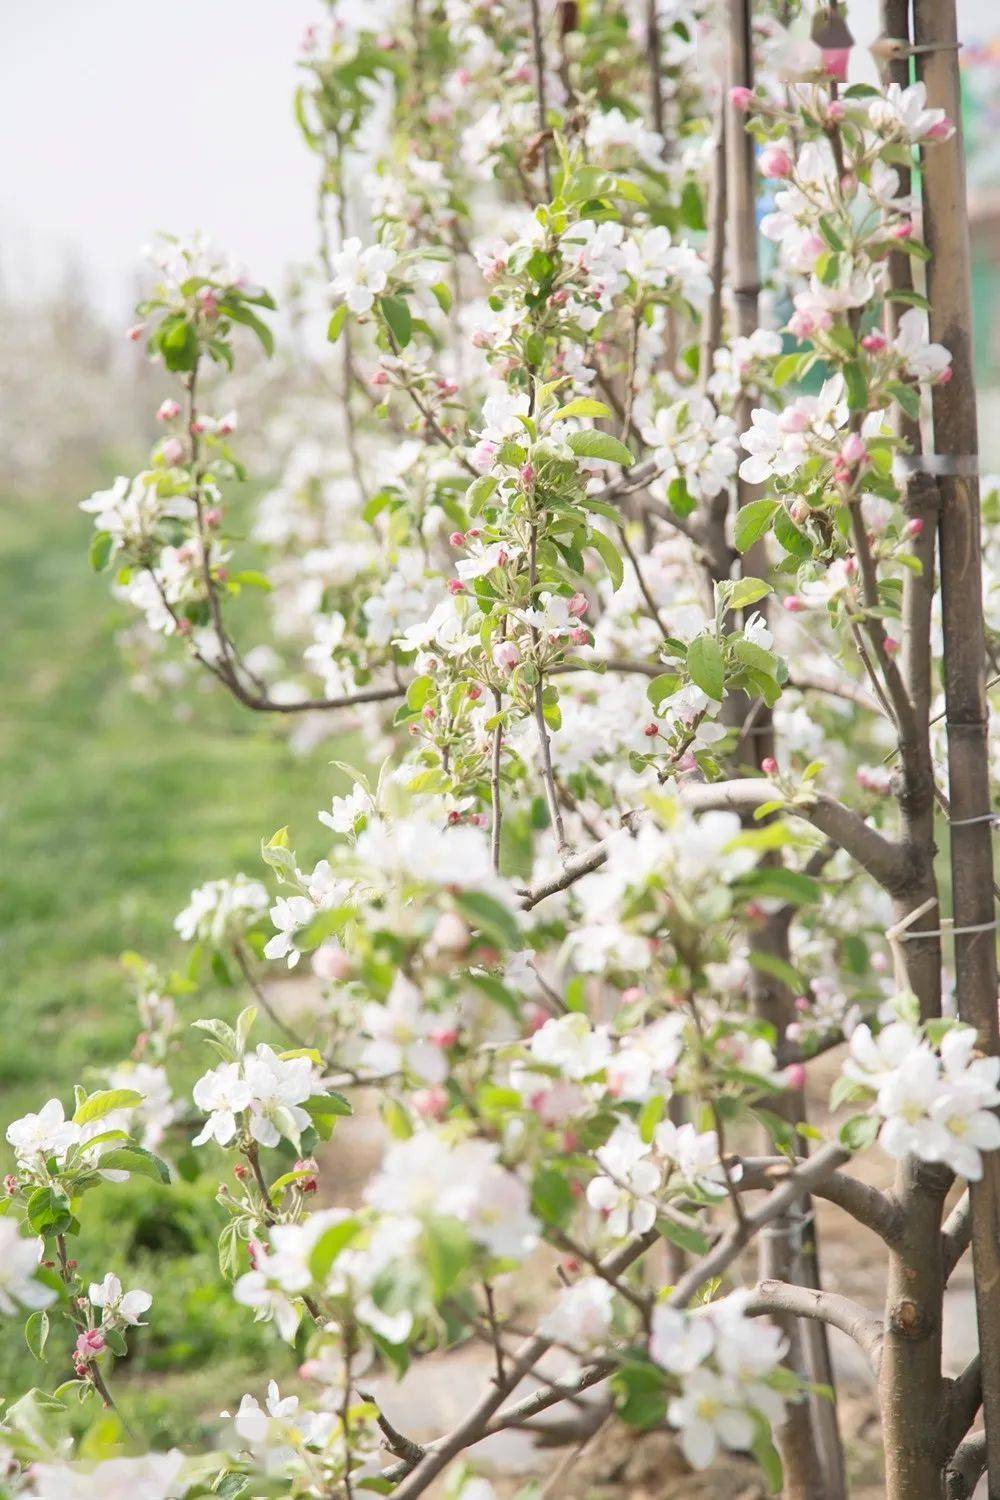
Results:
112 809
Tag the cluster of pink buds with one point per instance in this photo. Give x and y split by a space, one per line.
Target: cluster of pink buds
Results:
852 457
89 1345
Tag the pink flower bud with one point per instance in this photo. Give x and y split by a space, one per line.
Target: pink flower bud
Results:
135 333
213 517
775 162
741 98
914 527
168 410
578 605
835 60
835 111
227 424
891 645
651 731
429 713
209 302
454 818
444 1036
873 343
331 962
456 586
474 692
902 231
854 451
795 1076
527 472
580 636
800 511
941 131
172 451
89 1343
632 994
506 656
456 539
431 1104
769 765
801 1004
793 604
848 184
945 375
10 1184
379 377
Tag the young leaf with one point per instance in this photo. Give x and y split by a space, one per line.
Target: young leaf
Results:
600 445
397 315
752 522
705 665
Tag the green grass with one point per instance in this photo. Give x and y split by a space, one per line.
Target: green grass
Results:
112 808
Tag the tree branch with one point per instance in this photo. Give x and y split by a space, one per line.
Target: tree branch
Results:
826 1307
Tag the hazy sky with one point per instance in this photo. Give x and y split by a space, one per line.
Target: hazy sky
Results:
121 117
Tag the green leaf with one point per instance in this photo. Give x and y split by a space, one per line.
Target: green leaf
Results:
48 1211
177 341
582 406
329 1245
442 296
137 1160
662 687
490 916
747 591
36 1333
240 313
685 1236
325 1109
100 549
96 1106
752 655
640 1394
600 445
906 397
857 386
705 666
397 315
418 692
682 502
610 556
552 1198
692 207
767 1456
784 885
859 1132
479 492
752 522
229 1262
336 324
786 369
789 535
447 1250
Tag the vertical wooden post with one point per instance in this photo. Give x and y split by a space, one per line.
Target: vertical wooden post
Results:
956 438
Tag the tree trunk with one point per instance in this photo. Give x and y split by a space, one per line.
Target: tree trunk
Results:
956 438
